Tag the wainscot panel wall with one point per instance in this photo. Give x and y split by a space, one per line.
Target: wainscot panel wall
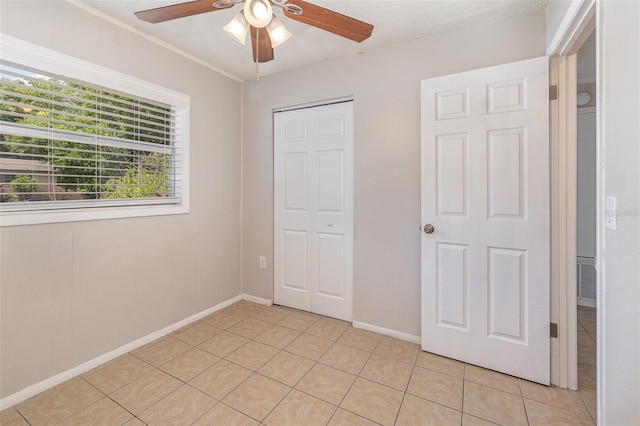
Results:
385 84
74 291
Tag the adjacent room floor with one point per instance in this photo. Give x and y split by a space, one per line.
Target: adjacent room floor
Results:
252 364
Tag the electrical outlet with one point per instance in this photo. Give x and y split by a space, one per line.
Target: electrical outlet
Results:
263 262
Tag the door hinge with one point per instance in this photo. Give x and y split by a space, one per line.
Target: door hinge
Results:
553 92
554 330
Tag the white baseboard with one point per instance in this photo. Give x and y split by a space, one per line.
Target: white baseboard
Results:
36 388
387 332
254 299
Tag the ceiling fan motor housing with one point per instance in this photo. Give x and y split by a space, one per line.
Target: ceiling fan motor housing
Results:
258 12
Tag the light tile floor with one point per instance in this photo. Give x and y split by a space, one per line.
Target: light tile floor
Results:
587 374
250 364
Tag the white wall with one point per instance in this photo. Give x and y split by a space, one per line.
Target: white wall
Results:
71 292
586 179
385 85
619 320
587 183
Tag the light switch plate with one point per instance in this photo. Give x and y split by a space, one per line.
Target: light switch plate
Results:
610 214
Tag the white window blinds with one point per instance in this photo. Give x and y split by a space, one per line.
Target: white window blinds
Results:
66 143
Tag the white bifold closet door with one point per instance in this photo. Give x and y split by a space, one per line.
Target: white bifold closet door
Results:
313 209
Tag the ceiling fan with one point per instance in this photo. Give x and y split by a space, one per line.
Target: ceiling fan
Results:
266 29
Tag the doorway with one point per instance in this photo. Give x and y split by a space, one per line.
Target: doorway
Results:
313 208
579 23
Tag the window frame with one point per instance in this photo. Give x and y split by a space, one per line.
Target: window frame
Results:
29 54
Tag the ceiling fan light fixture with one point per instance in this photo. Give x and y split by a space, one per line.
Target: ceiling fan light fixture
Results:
277 32
238 28
258 12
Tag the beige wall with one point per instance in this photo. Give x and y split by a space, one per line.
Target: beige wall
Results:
71 292
385 85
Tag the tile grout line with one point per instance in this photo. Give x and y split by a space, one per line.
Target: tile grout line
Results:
21 415
316 363
256 372
319 362
153 367
106 395
404 394
364 378
291 388
464 381
256 314
217 361
524 406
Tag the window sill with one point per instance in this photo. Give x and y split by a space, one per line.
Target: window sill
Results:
87 214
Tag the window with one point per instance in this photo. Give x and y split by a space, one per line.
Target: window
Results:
80 142
6 178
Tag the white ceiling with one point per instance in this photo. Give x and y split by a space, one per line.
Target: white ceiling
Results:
395 21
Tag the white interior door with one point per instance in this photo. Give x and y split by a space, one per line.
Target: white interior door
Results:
313 209
485 190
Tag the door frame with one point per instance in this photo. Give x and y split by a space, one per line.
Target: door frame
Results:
577 25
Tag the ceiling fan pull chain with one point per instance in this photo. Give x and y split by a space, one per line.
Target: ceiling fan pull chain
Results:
258 54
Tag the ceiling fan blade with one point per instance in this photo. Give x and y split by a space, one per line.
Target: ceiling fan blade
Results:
181 10
262 44
331 21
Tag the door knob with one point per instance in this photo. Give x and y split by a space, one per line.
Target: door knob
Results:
428 228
